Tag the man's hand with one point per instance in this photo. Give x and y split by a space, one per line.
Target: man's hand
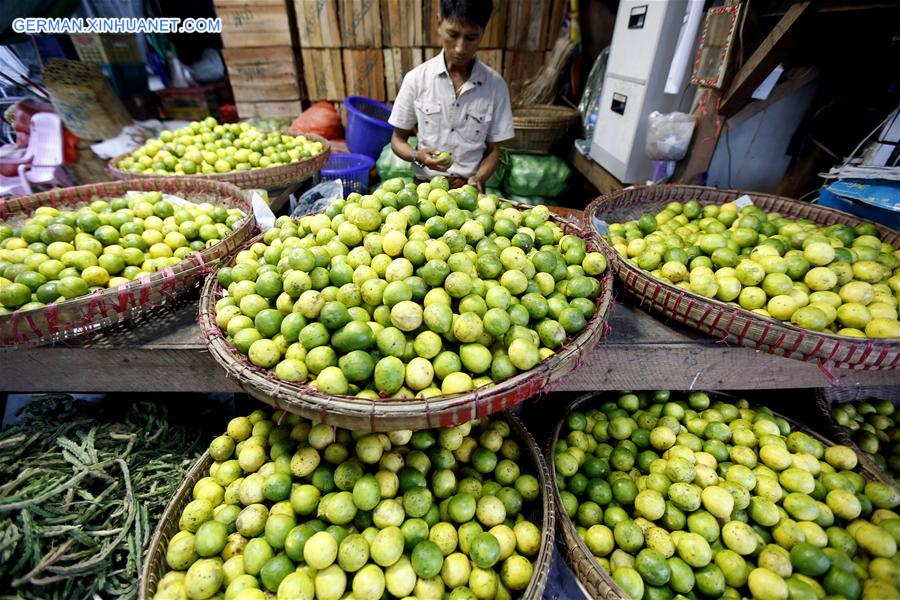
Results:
475 180
430 157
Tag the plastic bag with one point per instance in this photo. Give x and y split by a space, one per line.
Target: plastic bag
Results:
669 135
317 198
536 175
499 175
321 119
389 165
590 99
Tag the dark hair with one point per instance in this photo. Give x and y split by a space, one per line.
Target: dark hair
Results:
474 12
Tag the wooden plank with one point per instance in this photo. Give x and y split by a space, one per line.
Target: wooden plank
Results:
794 82
492 58
431 17
364 73
526 24
519 66
766 57
599 177
281 108
555 20
360 23
402 23
317 23
495 32
256 24
641 352
398 62
263 74
323 74
703 144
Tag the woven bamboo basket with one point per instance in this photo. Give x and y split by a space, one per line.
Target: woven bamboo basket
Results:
387 414
731 323
597 582
539 127
826 398
155 558
90 313
270 178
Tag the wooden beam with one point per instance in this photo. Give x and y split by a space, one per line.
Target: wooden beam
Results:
780 91
770 52
706 135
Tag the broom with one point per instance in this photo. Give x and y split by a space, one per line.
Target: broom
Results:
543 87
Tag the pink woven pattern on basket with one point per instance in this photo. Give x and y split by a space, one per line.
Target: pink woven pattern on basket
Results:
729 323
88 314
386 414
268 178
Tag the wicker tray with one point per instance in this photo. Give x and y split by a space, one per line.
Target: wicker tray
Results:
387 414
87 314
538 127
155 557
592 577
827 397
734 324
270 178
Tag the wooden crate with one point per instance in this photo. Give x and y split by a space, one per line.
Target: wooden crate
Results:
526 24
494 33
323 74
255 24
402 23
520 66
364 73
283 108
263 74
397 62
360 23
317 23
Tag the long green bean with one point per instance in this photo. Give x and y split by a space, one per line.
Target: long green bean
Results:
80 497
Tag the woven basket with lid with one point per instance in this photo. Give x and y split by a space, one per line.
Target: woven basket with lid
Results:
540 126
734 324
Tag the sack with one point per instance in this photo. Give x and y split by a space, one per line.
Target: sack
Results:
536 175
320 119
389 165
499 175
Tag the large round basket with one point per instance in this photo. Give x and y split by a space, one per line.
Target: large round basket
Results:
540 126
270 178
597 582
87 314
155 558
389 414
826 398
732 324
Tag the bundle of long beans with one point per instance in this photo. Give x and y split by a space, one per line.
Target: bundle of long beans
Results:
79 497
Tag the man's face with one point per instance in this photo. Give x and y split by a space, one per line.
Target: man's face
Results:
459 40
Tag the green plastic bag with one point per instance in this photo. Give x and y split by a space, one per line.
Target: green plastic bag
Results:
536 175
390 165
499 175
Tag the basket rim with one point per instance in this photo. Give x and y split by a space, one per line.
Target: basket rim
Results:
567 527
282 173
168 521
823 404
384 414
630 275
194 265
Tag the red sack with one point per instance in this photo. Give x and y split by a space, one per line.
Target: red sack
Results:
320 119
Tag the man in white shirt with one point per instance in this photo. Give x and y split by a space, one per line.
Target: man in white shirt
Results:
454 103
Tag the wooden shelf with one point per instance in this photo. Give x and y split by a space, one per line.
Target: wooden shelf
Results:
599 177
640 352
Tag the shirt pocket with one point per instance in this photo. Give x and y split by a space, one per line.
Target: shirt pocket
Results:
428 117
476 126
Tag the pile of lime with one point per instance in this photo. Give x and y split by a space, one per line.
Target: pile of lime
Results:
875 428
207 147
58 254
684 498
836 279
413 290
299 510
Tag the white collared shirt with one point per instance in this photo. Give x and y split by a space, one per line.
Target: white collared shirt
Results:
427 101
